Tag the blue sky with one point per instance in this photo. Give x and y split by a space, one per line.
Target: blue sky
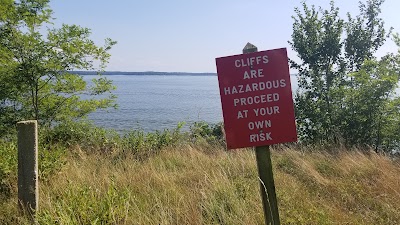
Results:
187 35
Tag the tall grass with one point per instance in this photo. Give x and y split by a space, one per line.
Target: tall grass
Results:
195 181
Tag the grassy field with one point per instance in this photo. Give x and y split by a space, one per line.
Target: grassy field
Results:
199 183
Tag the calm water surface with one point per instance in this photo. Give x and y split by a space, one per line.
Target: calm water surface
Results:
160 102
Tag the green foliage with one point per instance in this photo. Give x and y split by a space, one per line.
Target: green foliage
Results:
36 70
365 34
317 40
345 94
211 133
87 136
50 159
95 139
82 133
8 167
373 96
144 144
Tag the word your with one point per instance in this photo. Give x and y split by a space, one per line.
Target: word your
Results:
266 110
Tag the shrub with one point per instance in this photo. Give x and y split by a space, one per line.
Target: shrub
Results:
142 143
211 133
8 167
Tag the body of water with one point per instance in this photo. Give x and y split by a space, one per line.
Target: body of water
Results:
161 102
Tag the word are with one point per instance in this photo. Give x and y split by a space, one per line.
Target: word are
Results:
253 74
261 86
256 99
251 61
260 137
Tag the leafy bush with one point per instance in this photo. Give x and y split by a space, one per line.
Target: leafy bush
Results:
142 143
8 167
82 133
50 161
211 133
95 139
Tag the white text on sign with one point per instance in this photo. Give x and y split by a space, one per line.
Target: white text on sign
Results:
251 61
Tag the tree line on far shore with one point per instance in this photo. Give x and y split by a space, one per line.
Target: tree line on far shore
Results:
145 73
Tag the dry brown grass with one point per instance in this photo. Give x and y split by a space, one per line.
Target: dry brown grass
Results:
207 185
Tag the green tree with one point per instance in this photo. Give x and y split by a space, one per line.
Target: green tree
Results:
317 40
345 94
37 64
365 34
373 103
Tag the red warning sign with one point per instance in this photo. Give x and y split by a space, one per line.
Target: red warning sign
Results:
256 99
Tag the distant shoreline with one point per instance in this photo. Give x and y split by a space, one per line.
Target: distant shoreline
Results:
146 73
